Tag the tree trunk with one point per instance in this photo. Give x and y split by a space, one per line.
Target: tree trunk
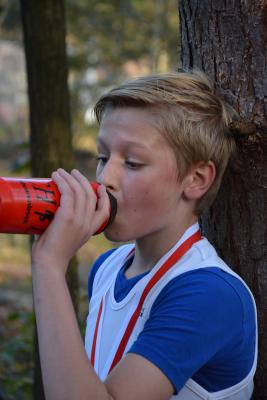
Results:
227 39
51 142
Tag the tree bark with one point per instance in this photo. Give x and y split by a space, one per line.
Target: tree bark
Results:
50 123
228 40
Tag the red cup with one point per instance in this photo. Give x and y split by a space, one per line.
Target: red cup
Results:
28 205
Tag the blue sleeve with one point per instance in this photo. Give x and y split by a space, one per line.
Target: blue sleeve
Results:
201 326
94 270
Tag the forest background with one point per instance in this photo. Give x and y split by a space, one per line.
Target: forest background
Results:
107 41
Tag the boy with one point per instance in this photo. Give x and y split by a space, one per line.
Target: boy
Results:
168 318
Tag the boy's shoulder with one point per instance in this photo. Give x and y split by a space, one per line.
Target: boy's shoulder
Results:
208 283
204 313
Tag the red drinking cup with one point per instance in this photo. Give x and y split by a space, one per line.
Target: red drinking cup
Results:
28 205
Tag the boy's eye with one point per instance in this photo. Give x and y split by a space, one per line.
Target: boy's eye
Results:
132 164
101 159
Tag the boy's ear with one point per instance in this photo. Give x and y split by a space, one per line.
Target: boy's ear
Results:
199 179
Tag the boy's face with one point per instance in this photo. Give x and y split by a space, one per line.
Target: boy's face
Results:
139 168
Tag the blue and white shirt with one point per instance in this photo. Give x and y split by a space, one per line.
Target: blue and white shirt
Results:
198 326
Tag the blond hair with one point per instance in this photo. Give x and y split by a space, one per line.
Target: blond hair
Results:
187 113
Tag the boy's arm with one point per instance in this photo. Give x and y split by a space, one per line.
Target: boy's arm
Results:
67 373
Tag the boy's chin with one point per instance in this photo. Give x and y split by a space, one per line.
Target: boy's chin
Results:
115 236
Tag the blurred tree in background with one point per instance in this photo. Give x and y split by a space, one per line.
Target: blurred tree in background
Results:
111 32
44 33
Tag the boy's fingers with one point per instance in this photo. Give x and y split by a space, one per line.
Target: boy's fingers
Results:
66 198
78 195
81 179
90 197
84 183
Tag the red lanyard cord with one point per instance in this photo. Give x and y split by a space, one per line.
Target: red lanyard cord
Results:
174 257
95 334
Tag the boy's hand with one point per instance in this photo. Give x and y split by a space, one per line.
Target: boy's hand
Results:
79 215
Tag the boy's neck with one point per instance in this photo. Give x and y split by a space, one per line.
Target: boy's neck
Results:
150 249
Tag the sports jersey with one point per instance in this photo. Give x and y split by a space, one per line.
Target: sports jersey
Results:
201 323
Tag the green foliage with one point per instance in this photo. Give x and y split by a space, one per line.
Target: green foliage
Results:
10 21
108 40
102 37
16 356
109 32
